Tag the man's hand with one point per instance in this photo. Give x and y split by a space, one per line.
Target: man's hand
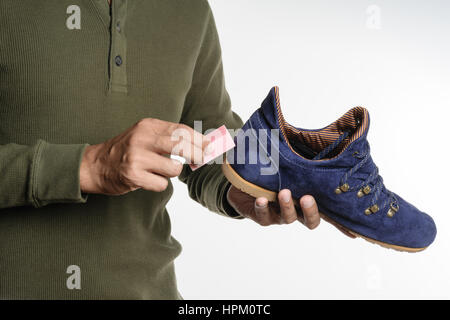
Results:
285 211
138 158
268 213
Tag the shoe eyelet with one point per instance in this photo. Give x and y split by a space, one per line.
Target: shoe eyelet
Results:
342 189
392 211
372 209
364 191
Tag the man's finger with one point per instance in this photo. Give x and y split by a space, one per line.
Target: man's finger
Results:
262 212
152 182
192 153
161 165
287 208
176 130
310 212
181 147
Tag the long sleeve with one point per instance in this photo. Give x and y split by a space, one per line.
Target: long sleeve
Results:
209 102
40 174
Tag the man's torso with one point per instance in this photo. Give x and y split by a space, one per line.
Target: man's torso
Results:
62 84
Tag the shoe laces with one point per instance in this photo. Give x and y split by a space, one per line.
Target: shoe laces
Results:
372 185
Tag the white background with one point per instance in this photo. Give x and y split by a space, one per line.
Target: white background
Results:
328 56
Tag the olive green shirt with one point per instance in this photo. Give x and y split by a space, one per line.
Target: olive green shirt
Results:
77 72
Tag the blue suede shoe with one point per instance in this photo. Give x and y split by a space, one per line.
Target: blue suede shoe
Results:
332 164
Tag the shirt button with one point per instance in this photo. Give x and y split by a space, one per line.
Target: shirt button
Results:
118 28
118 60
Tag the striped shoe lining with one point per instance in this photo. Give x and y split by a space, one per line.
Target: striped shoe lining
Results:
355 120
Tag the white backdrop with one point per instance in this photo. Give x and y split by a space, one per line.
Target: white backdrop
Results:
328 56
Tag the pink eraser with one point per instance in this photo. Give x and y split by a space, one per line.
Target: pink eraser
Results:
221 141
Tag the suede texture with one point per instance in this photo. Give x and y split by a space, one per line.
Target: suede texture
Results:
409 227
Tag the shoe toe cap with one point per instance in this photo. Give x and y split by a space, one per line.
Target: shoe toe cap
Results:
416 228
427 232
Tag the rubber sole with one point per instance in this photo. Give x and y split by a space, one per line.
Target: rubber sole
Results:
256 191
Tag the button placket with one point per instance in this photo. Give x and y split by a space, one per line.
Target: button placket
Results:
118 73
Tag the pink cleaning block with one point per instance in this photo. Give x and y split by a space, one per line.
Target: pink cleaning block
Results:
221 141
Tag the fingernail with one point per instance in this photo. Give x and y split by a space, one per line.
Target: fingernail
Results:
285 197
260 204
307 202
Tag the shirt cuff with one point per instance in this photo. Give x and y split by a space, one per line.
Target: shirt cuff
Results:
55 174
